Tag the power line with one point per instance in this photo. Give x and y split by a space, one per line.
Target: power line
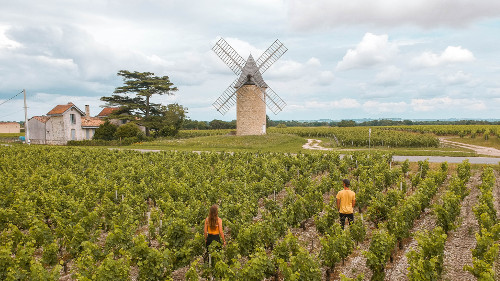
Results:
11 98
11 113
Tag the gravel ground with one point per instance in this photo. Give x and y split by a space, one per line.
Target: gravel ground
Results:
496 203
398 269
460 242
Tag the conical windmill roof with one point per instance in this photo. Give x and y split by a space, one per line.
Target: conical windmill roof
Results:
251 69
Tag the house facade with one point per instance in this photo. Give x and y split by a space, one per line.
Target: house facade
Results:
9 128
63 123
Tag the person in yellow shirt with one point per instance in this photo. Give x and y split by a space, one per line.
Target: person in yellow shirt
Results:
346 199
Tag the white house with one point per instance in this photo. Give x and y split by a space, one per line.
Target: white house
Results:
62 124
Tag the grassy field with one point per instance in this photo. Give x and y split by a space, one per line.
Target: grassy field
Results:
267 143
281 143
11 135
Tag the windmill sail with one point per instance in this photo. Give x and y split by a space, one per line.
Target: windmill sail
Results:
227 99
270 56
272 100
229 56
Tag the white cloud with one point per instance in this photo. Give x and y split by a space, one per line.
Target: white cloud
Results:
459 77
321 14
314 62
450 55
384 107
6 42
388 76
318 105
372 49
447 103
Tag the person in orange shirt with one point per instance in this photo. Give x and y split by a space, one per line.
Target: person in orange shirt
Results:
213 227
346 199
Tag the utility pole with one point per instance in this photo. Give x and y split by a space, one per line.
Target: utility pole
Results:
26 130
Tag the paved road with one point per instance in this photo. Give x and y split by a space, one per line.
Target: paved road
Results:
449 159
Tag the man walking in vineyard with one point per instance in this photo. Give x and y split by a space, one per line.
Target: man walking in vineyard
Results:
346 199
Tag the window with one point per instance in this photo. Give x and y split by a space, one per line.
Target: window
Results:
73 134
87 134
72 118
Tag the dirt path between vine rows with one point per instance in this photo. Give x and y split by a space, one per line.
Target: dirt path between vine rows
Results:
460 242
496 203
398 269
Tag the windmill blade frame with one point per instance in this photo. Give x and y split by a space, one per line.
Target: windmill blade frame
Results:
229 56
272 100
227 99
270 56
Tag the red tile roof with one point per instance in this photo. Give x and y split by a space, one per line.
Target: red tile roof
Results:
42 119
8 123
60 109
105 112
91 122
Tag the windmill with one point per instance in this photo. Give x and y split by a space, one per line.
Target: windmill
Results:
249 91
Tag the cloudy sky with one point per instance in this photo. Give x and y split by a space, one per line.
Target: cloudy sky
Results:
352 59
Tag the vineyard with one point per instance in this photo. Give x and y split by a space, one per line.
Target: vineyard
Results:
97 214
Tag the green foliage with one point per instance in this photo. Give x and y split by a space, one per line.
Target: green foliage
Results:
349 136
169 120
447 212
360 277
358 230
463 170
287 248
192 274
301 266
49 256
405 167
39 273
144 85
112 268
105 131
486 252
258 267
336 248
380 250
427 262
129 130
423 168
325 223
380 207
153 264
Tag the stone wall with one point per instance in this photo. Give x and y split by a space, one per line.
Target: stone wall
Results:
37 131
250 111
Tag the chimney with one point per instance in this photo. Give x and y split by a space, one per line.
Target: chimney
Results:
87 111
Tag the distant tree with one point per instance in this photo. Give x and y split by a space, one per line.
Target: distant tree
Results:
346 123
219 124
105 131
195 125
144 85
128 130
169 120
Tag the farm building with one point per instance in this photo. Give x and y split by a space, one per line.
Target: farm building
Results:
62 124
9 127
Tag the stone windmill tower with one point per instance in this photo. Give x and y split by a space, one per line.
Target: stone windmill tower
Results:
249 91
